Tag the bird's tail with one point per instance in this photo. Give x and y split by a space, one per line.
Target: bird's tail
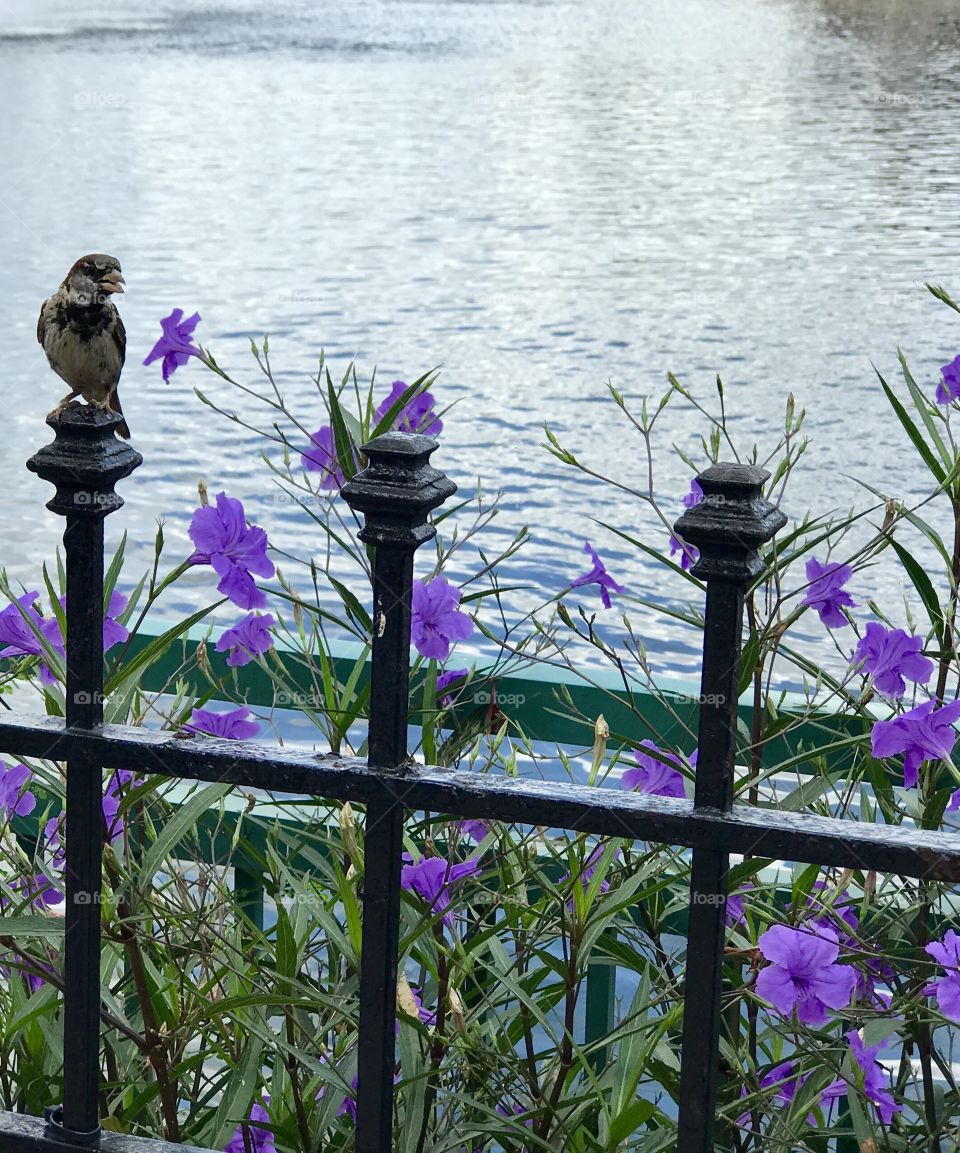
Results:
123 428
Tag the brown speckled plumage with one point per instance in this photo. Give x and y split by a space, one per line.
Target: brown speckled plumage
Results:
83 336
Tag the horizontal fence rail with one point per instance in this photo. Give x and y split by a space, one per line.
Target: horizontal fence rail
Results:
396 493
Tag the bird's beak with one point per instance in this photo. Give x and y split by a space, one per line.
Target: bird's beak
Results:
112 282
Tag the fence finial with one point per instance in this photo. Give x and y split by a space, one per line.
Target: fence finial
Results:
397 490
730 523
85 460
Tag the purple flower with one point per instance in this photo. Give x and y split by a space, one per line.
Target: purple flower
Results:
415 416
734 912
946 988
111 804
234 725
113 631
176 344
247 639
39 891
802 974
787 1082
925 733
53 839
15 800
836 907
949 387
874 1078
18 637
322 457
235 549
258 1139
425 1015
890 656
689 554
431 879
826 593
348 1106
475 828
588 870
653 776
33 981
598 575
445 680
436 618
515 1110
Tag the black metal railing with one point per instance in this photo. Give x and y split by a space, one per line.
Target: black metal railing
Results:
396 493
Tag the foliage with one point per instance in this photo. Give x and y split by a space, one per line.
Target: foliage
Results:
214 1019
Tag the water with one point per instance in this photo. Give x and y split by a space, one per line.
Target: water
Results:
539 197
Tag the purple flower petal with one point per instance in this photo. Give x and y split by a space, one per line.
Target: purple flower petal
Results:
924 733
175 345
431 878
653 776
949 387
803 975
234 725
416 415
436 619
826 594
236 551
891 657
247 639
598 575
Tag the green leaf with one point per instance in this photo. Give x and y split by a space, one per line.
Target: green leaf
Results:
156 648
627 1122
748 661
925 410
29 926
346 455
288 955
914 433
923 585
110 577
186 817
421 384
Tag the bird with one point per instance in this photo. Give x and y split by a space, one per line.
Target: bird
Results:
83 336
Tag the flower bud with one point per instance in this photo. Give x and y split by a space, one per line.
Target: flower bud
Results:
457 1012
405 999
348 830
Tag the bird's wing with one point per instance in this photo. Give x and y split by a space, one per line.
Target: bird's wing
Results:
120 336
41 322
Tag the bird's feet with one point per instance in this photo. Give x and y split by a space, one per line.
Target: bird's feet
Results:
58 412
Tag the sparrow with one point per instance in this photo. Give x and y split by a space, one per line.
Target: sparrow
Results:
83 336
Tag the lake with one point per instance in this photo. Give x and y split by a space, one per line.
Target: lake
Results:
538 197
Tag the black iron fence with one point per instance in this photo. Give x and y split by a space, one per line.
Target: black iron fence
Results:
396 493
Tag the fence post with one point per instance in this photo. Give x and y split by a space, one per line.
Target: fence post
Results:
728 526
84 462
395 492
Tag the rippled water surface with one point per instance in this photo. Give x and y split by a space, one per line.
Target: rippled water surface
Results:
539 197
